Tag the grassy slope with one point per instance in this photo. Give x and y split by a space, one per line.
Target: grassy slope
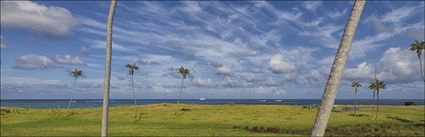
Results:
216 120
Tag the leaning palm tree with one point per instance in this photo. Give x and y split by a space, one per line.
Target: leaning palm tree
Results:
418 47
131 68
184 72
356 85
337 70
105 112
376 86
75 73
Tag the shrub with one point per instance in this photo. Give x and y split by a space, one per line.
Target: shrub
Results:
409 103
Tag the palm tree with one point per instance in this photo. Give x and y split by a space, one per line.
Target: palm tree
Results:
105 112
372 84
75 73
184 72
418 47
376 86
337 70
356 85
131 68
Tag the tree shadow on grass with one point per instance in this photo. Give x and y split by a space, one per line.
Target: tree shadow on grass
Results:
260 129
359 115
401 119
183 110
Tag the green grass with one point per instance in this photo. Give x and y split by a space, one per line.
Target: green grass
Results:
211 120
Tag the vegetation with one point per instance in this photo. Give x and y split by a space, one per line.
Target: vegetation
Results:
75 73
409 103
213 120
376 86
337 70
184 72
356 85
131 68
417 47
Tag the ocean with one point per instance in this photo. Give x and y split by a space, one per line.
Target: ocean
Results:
90 103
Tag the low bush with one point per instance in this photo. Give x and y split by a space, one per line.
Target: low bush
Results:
409 103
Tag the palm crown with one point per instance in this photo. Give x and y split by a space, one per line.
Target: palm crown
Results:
184 71
418 46
77 73
377 85
131 68
356 84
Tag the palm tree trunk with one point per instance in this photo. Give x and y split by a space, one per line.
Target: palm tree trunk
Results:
373 105
134 97
337 70
180 93
72 95
106 84
421 68
377 103
355 103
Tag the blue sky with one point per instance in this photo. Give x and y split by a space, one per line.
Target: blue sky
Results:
243 49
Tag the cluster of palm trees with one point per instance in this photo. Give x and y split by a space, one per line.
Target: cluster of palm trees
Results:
375 85
331 87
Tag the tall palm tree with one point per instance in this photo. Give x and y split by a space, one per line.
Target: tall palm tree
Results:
337 70
372 84
418 47
75 73
376 86
184 72
105 113
131 68
356 85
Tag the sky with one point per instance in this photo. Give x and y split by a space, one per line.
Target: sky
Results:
235 50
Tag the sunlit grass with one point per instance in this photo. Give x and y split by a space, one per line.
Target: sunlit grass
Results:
210 120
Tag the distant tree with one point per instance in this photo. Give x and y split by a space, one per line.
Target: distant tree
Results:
105 111
328 98
75 74
131 68
356 85
377 85
183 72
417 47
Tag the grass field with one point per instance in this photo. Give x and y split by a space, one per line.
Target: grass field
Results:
212 120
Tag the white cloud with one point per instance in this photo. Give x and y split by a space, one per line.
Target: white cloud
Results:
395 66
99 44
175 44
387 26
324 35
50 20
270 90
32 62
363 71
84 51
399 65
336 14
399 14
312 5
224 70
68 59
278 65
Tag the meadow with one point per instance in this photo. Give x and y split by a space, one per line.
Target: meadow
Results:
213 120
